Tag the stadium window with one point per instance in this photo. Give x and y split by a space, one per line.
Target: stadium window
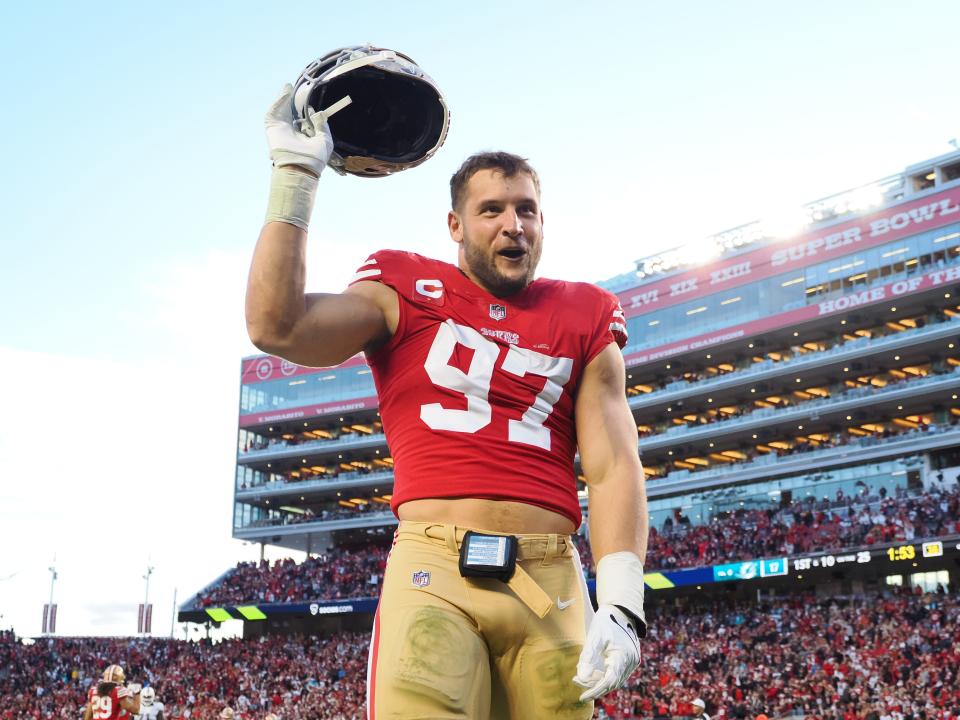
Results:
923 180
951 172
929 581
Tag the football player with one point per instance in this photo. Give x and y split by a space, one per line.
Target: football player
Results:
489 381
150 707
109 699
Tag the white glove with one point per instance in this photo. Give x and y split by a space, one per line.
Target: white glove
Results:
309 147
610 654
134 688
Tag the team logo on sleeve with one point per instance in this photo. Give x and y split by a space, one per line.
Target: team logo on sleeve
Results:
497 312
421 578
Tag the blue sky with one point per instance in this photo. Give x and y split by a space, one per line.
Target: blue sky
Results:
135 180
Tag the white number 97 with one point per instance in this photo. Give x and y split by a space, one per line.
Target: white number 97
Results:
474 384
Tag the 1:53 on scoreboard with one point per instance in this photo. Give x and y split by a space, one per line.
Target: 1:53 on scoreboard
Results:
910 552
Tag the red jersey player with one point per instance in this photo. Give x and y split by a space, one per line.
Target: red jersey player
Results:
109 699
489 381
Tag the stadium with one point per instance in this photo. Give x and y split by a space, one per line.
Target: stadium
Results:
797 403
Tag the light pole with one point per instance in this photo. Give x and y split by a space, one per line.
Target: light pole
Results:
53 579
146 598
173 618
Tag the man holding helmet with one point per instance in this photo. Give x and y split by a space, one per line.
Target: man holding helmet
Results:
489 381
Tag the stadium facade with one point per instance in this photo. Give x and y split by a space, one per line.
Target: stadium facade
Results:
785 370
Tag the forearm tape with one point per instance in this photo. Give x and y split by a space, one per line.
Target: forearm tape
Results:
291 197
620 582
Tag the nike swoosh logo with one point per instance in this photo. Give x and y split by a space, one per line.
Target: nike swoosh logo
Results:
563 605
631 633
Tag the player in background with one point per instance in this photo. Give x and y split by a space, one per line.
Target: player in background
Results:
700 710
109 699
489 381
150 707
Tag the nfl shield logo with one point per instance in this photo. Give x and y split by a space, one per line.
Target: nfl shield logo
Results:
421 578
498 312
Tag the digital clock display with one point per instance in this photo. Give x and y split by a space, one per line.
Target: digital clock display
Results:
902 552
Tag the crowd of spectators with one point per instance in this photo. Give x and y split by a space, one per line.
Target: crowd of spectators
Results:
800 527
347 572
806 526
295 677
893 656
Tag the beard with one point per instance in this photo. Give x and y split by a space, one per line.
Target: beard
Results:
498 284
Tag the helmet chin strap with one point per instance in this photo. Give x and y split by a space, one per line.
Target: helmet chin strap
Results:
330 111
336 107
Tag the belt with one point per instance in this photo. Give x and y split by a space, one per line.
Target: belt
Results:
530 547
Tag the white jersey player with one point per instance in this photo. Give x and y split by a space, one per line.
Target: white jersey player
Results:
150 707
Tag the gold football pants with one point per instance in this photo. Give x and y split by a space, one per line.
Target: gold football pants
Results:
446 647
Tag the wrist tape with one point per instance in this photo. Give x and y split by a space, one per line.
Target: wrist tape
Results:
291 197
620 582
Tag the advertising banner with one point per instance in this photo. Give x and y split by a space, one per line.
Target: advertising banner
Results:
792 318
883 226
308 411
268 367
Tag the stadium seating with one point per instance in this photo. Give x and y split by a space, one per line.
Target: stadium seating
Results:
863 658
803 526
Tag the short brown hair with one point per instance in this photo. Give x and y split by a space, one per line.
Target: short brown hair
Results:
507 163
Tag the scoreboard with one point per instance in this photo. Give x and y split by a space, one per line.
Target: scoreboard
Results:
878 561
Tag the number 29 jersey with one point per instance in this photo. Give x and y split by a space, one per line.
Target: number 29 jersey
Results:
107 707
477 392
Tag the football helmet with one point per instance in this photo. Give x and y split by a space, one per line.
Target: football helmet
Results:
226 714
147 696
113 674
396 117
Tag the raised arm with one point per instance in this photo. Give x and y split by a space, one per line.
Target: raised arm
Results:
316 329
607 438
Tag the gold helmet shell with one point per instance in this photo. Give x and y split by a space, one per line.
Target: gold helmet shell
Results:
114 674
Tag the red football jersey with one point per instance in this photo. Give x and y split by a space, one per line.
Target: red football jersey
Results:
477 392
107 707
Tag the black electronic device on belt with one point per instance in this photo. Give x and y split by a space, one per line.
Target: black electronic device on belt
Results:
488 556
